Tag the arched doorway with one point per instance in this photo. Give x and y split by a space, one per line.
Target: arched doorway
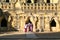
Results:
28 25
52 24
4 23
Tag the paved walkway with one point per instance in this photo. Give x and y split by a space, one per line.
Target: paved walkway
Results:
30 35
18 35
11 33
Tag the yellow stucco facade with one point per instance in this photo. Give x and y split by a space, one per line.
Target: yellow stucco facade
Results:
42 14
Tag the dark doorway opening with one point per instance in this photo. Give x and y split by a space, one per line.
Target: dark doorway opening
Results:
48 1
53 23
4 23
28 1
29 26
7 0
28 21
35 1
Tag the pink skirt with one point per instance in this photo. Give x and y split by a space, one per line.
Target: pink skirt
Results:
25 29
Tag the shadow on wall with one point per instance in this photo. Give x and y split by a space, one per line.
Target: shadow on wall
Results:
5 25
7 14
12 28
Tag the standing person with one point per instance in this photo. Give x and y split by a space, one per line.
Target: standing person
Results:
30 27
25 27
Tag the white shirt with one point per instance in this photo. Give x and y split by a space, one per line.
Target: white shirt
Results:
26 26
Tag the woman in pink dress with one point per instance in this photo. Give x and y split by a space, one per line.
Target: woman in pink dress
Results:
30 27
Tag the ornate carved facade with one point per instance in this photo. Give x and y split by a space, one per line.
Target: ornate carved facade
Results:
44 14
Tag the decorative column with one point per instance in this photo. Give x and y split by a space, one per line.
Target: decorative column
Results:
34 21
17 21
47 24
9 20
22 24
38 24
57 24
42 23
34 27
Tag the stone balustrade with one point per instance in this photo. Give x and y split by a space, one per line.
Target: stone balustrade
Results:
6 5
32 6
37 6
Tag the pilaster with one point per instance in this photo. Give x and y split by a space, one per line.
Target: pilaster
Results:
47 25
34 27
38 24
22 24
